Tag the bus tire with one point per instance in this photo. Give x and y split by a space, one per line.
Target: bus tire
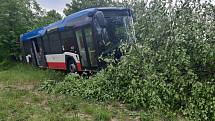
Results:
71 66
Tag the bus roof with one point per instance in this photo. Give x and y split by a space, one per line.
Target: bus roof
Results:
62 23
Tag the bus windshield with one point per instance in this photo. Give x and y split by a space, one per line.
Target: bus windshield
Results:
118 29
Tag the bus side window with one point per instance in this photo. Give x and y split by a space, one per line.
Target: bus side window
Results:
55 43
69 41
46 44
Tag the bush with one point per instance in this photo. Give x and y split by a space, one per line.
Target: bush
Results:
170 68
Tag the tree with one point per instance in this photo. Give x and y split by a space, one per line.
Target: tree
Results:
53 15
171 67
48 18
18 17
77 5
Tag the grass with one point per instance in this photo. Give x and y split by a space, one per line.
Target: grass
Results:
26 73
20 100
100 113
20 105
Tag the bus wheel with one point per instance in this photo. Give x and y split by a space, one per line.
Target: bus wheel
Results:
71 67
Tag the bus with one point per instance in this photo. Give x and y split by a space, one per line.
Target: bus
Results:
75 43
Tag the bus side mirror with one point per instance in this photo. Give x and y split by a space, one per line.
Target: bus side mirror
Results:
100 18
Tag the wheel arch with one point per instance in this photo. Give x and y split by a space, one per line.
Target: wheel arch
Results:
69 58
75 58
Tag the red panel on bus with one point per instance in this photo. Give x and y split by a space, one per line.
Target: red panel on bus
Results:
57 65
78 66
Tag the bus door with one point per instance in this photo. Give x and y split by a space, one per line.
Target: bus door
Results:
38 55
90 46
86 47
81 47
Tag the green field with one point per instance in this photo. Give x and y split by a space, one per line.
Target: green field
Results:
20 99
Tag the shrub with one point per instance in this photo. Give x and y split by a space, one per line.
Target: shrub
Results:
170 68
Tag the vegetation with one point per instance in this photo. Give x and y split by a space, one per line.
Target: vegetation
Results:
169 69
77 5
22 73
20 99
16 18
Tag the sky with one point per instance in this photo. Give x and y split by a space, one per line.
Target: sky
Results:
57 5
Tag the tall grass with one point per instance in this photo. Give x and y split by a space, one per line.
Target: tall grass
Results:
23 73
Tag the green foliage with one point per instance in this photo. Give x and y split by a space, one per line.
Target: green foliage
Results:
171 67
77 5
47 18
14 18
18 17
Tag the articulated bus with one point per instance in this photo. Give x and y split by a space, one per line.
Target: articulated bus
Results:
75 43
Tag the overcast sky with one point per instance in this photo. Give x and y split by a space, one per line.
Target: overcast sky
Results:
57 5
